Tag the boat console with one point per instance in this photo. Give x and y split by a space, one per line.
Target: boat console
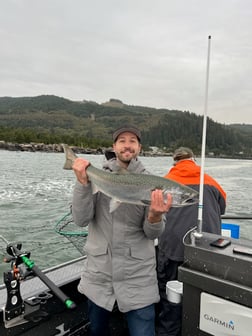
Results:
216 300
217 286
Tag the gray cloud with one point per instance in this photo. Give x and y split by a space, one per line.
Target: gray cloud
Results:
144 52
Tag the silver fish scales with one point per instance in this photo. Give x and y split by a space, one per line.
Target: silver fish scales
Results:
125 187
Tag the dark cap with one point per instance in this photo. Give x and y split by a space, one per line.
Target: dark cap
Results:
182 153
127 128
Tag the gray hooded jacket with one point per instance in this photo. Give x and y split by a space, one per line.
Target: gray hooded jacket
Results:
121 263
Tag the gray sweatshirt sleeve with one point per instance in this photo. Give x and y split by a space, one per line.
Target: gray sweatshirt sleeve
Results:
82 204
153 231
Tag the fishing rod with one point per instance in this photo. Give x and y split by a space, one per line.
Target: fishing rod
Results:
236 217
198 233
17 257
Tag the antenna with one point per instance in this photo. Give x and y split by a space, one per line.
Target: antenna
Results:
198 233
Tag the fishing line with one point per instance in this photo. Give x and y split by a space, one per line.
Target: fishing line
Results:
198 233
4 239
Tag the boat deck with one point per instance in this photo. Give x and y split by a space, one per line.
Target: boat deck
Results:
60 275
52 317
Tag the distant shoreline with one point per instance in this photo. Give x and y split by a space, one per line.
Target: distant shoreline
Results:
58 148
48 148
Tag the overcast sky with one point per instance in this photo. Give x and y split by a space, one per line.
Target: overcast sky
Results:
143 52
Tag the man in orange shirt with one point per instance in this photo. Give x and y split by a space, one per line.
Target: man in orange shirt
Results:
178 222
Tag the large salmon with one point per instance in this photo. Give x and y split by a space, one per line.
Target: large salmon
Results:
133 188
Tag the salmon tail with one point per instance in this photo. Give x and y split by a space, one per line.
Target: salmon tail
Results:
70 157
68 164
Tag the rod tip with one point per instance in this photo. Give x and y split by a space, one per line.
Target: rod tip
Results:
209 37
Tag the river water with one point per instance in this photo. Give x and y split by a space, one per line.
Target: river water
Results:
35 192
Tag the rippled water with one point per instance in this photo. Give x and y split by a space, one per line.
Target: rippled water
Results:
35 192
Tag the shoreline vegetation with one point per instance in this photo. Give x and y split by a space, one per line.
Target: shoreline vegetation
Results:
58 148
32 123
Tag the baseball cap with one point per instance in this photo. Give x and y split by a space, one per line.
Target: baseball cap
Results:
182 153
127 128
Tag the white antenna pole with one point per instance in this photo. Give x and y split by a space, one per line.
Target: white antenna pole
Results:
203 149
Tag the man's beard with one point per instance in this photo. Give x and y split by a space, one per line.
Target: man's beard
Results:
126 160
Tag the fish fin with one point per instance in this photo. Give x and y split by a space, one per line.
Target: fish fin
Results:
70 156
68 164
113 205
122 171
94 189
145 202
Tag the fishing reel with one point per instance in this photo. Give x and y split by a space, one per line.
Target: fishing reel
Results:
15 306
15 257
17 311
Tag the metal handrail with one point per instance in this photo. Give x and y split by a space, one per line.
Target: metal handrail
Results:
236 217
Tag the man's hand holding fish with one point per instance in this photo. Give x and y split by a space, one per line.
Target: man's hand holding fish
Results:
79 168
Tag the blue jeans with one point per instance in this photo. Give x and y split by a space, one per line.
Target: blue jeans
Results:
141 322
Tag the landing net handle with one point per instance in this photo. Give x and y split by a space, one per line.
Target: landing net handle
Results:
75 234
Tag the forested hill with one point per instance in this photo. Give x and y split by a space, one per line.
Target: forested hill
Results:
52 119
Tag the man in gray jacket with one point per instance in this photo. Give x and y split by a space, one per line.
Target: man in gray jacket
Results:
120 265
